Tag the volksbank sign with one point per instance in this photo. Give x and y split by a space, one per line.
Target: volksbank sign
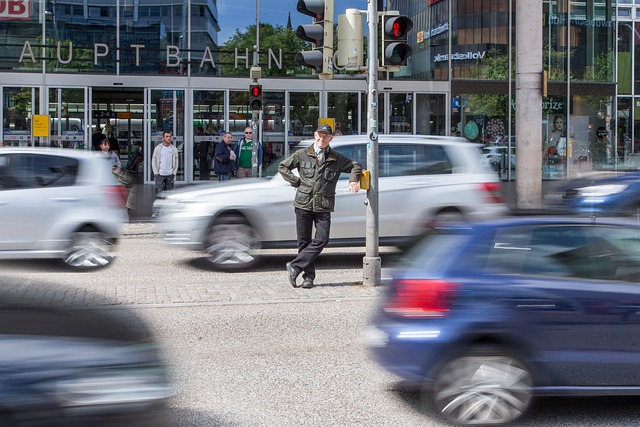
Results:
461 56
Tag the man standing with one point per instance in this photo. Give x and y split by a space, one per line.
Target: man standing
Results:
244 154
164 163
319 168
224 158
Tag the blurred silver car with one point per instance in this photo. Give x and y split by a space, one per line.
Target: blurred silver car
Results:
59 203
422 179
60 366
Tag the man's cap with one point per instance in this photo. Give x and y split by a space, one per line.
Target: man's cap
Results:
324 128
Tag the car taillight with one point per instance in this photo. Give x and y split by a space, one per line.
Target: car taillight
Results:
421 298
491 192
116 195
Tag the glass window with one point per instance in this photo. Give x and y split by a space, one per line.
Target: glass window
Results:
66 108
239 114
343 107
401 112
167 114
80 43
403 160
208 125
304 111
590 252
413 159
533 250
430 114
33 170
17 110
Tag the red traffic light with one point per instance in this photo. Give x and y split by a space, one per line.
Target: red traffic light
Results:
397 27
255 91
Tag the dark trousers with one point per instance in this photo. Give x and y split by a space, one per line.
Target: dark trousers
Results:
164 183
204 169
309 249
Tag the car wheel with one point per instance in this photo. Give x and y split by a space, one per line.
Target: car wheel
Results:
447 217
489 386
89 249
232 243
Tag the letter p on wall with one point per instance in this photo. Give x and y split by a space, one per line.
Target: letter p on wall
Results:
15 9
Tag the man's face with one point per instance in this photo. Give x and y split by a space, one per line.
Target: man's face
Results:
227 139
166 138
322 139
248 134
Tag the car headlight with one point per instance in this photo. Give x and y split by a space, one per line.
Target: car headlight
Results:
602 190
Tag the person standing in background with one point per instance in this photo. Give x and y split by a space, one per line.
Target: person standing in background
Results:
113 158
244 153
224 158
97 138
164 163
202 148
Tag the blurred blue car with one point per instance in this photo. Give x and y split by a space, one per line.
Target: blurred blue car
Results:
617 195
488 315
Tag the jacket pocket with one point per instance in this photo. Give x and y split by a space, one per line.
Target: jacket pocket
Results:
327 202
303 196
307 169
331 175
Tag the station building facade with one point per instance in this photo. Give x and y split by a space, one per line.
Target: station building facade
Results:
134 68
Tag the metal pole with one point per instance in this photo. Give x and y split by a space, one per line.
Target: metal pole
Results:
254 114
371 262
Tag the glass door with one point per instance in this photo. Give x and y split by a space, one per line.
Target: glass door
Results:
165 111
69 111
18 107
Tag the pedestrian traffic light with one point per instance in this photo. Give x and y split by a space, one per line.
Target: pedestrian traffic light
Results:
255 97
320 33
395 46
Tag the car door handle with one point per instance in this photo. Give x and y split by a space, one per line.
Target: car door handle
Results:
541 304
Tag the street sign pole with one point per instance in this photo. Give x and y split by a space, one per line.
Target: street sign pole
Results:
371 262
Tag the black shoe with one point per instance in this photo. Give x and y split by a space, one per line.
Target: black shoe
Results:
293 275
307 283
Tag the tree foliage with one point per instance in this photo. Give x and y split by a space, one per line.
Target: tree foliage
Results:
272 37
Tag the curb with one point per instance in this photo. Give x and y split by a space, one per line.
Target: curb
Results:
140 229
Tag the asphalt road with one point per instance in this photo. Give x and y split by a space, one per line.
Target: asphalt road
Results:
246 349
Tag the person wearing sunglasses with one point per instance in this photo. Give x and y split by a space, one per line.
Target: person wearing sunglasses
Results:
244 154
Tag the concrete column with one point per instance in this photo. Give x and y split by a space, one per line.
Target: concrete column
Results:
528 104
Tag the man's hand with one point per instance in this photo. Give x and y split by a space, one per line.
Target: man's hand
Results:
354 187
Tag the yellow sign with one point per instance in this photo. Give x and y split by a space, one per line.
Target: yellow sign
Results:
40 125
328 121
365 180
125 115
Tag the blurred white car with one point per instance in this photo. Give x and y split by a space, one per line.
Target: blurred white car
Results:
59 203
422 180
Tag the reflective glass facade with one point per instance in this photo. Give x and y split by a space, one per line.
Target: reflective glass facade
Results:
134 68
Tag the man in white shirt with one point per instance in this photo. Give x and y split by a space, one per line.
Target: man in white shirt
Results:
164 163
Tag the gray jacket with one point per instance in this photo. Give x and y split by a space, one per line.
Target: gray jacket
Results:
317 183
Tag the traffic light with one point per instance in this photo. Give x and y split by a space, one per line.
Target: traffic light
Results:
395 48
255 97
320 33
